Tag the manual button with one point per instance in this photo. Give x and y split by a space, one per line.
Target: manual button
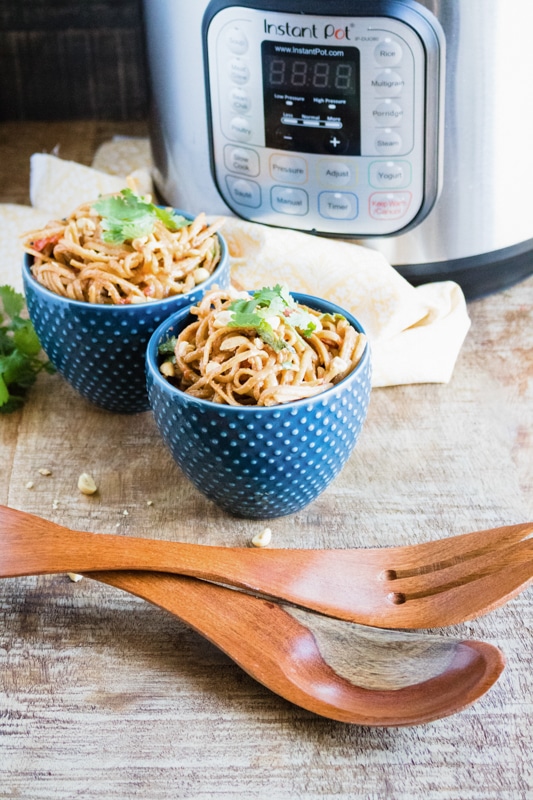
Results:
243 192
289 201
338 205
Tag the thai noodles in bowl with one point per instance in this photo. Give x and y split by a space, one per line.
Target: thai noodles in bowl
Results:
260 349
123 249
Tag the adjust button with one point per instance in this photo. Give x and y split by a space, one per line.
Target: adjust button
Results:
388 52
335 173
289 169
243 192
241 160
338 205
289 201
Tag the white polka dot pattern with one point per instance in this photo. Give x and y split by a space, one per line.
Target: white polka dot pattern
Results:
261 462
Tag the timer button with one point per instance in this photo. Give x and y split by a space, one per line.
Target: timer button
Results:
388 142
388 113
236 40
239 71
388 84
290 169
338 205
388 52
243 192
240 129
240 100
335 173
289 201
241 160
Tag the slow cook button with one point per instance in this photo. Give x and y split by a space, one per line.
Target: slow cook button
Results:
289 169
243 192
338 205
388 52
392 174
335 173
289 201
241 160
388 142
238 71
389 205
240 129
388 113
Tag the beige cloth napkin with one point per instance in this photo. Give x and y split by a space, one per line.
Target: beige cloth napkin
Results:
416 334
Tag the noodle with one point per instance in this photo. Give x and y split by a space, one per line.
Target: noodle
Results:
232 364
72 259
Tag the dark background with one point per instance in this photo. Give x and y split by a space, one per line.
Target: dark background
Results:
72 59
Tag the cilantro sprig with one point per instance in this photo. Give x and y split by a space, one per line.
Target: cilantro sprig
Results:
127 216
21 357
267 303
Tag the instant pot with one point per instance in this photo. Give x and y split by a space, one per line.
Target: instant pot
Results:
403 125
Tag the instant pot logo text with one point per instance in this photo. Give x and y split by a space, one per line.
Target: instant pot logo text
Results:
314 31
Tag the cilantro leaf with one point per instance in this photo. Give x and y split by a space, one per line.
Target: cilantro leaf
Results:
20 352
127 216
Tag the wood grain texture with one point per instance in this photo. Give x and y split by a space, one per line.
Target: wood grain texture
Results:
105 697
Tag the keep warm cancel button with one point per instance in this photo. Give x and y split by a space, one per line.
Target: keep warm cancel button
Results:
389 205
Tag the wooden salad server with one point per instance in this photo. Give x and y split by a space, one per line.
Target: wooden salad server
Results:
337 669
433 584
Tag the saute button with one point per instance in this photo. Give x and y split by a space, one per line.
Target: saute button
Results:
338 205
388 52
388 83
290 169
335 173
245 193
239 71
240 129
242 160
236 40
289 201
388 142
394 174
388 113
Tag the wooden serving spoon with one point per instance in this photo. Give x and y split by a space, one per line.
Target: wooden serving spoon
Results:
336 669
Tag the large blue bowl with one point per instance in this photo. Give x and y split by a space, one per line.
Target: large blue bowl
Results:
260 462
100 349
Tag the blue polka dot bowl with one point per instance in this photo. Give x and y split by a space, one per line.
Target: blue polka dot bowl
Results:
100 349
260 462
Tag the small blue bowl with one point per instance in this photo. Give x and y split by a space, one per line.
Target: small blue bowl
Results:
100 349
255 461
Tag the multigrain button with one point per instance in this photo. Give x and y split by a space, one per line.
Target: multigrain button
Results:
388 83
241 160
239 71
289 169
388 52
388 142
388 113
289 201
335 173
243 192
338 205
236 40
240 129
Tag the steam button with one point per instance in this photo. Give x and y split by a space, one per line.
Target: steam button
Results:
388 52
236 40
239 71
388 142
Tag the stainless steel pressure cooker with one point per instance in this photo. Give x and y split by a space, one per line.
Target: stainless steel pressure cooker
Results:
405 125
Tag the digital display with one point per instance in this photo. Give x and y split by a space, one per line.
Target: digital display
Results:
290 73
311 98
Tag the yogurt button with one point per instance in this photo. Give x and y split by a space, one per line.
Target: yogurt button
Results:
395 174
239 71
240 129
236 40
388 142
388 83
388 52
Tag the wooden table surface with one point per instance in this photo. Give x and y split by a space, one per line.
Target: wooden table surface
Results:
103 696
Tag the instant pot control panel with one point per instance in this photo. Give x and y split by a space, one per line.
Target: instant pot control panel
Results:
320 123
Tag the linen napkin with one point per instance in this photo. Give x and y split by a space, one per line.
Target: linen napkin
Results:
415 334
